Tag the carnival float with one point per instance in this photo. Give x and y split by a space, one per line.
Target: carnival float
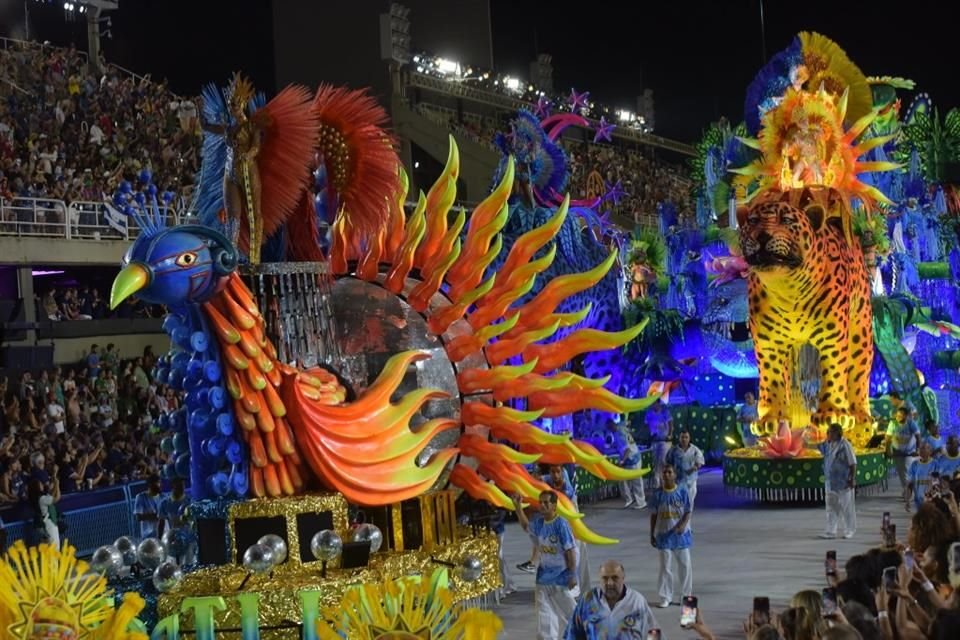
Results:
390 374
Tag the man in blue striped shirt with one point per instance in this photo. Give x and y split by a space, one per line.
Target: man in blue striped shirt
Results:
556 589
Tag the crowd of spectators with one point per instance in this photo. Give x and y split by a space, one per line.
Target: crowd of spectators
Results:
70 135
478 129
904 589
83 427
86 303
645 179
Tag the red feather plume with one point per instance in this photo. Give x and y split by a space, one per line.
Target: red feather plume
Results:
287 149
359 155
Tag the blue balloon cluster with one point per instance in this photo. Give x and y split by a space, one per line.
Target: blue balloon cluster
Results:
202 435
128 200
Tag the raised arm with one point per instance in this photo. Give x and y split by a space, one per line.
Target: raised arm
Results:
521 515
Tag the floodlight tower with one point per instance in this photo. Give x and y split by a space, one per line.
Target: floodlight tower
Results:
94 10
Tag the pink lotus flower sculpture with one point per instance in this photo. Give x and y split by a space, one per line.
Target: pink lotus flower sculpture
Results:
786 444
726 268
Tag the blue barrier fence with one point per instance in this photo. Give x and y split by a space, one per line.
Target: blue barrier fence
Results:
94 518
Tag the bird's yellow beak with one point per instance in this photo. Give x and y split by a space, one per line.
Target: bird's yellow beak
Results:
132 278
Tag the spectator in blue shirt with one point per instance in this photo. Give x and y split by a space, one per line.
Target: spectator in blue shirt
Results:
93 363
556 588
37 471
146 508
173 516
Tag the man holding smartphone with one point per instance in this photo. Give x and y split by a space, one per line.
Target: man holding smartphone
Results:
612 611
556 588
840 474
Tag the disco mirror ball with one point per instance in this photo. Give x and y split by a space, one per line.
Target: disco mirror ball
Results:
373 324
367 532
326 545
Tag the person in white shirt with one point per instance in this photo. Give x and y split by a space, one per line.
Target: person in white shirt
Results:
96 134
106 411
56 414
840 480
686 459
187 113
612 611
631 490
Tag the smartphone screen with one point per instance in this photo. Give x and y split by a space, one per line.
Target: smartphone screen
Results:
954 557
688 611
761 611
830 564
890 578
886 521
653 634
908 560
829 604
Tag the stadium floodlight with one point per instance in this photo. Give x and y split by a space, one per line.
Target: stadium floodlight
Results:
395 34
511 83
626 115
448 67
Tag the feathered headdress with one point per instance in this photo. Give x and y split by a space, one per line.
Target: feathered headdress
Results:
802 136
540 160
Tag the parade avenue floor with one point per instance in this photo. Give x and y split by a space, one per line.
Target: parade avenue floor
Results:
741 549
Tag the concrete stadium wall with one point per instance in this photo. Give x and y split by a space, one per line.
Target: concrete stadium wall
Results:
60 251
71 350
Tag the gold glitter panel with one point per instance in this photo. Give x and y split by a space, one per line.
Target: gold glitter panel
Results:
279 593
290 508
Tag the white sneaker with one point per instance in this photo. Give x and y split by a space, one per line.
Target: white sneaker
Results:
847 536
639 506
627 504
827 536
663 604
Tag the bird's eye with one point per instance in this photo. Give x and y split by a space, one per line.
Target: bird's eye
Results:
186 259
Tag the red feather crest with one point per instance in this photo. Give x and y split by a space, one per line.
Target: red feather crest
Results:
359 154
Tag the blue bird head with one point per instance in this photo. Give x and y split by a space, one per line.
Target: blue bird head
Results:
175 266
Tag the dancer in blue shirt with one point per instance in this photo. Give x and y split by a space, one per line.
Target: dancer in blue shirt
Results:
670 533
919 477
949 463
556 588
933 437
